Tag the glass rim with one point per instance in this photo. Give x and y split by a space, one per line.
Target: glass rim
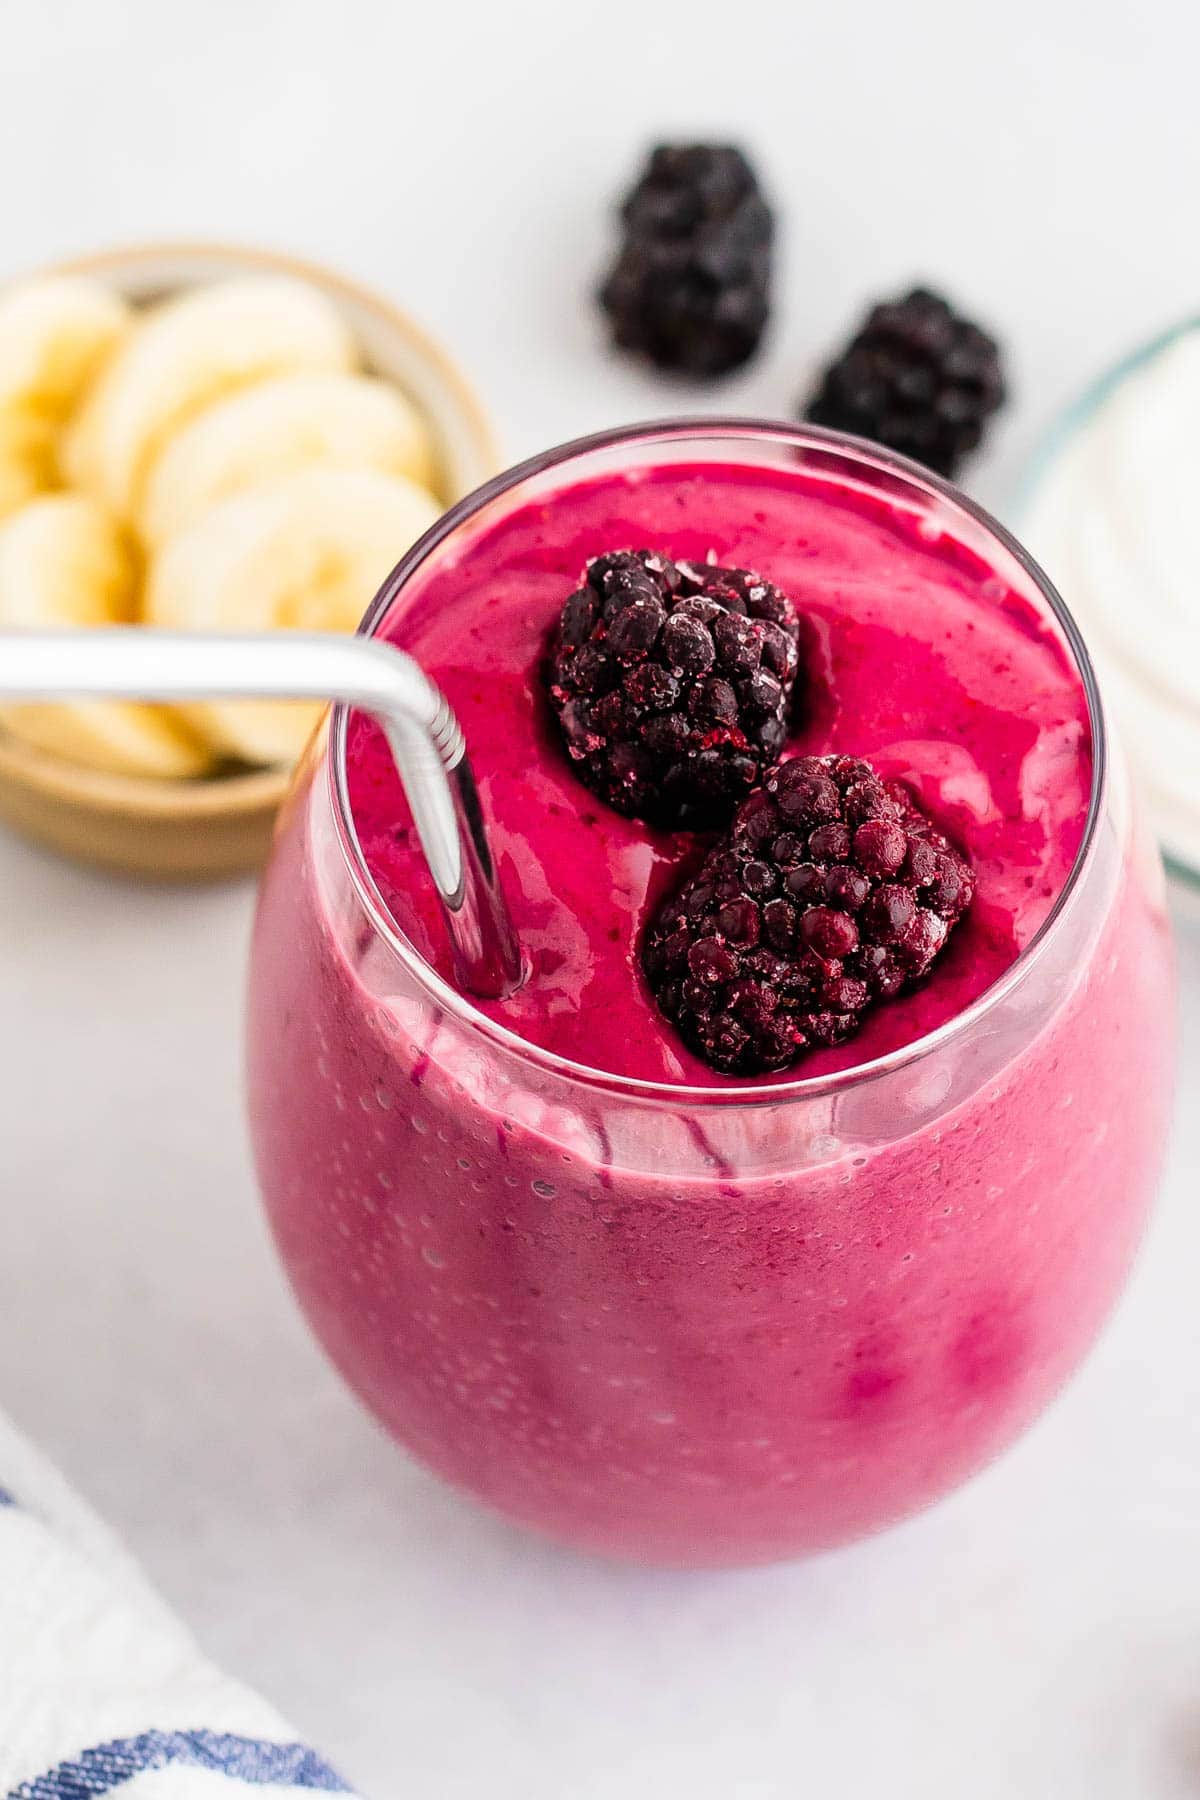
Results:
754 1093
1079 410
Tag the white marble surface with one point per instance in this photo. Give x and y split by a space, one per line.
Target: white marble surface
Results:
1038 1636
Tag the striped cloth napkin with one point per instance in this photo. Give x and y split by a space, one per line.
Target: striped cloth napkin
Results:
101 1690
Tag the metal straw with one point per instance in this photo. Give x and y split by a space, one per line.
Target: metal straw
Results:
137 663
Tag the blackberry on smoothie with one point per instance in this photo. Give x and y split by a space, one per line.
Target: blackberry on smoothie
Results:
803 1165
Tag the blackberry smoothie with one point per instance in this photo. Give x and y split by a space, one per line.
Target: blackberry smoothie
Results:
649 1306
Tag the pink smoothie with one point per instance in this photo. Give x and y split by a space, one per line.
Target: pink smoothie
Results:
680 1329
914 660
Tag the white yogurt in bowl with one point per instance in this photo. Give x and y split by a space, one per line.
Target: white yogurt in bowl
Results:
1113 515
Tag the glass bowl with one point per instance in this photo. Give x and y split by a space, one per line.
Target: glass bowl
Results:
1182 860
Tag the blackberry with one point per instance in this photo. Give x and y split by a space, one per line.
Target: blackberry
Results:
917 378
831 892
690 285
671 684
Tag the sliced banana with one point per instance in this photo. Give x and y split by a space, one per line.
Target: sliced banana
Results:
306 552
64 562
56 332
28 465
275 428
183 355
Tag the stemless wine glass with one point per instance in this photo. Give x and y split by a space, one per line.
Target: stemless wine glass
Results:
688 1324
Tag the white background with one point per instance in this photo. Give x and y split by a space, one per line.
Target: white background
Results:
1038 1636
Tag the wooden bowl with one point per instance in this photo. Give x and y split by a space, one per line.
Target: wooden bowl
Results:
214 827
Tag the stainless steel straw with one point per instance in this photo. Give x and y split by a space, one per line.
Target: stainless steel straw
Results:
133 662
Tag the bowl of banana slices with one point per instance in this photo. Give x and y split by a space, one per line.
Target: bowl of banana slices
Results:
201 437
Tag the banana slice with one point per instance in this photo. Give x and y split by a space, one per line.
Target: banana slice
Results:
56 332
28 465
307 552
183 355
274 428
63 563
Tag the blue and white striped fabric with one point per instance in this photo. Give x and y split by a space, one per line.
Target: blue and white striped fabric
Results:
101 1689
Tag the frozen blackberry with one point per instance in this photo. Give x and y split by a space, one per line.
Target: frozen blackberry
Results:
917 378
690 286
671 684
831 892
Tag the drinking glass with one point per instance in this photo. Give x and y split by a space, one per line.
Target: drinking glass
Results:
696 1325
